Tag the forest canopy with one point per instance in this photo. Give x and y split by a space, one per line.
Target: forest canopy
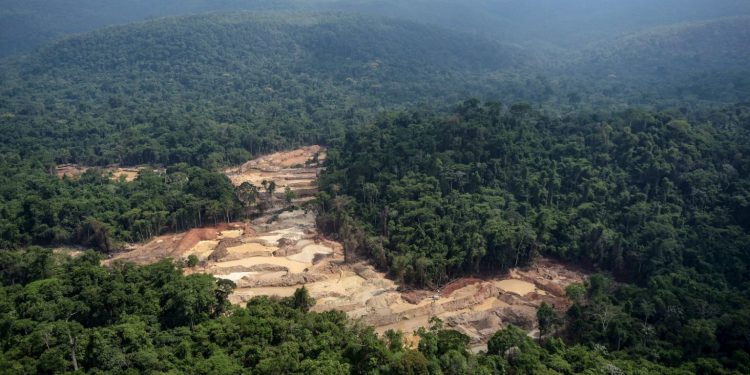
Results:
628 155
59 315
658 201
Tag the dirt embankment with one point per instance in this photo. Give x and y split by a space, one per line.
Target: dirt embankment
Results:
277 253
297 169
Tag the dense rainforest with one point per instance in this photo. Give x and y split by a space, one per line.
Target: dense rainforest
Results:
627 156
658 201
61 314
97 211
214 90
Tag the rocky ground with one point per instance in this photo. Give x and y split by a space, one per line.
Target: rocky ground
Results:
282 251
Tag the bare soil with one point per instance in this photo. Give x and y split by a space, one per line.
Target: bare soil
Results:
266 257
297 169
76 170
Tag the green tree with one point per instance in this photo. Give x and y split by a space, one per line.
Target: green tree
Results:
547 319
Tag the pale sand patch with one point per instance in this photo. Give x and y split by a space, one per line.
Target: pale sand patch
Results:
519 287
466 291
252 248
487 304
235 276
128 173
404 306
281 291
351 287
202 249
236 233
292 266
269 275
308 253
329 302
272 238
302 243
407 326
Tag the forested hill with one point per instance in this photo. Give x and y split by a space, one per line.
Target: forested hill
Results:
215 89
27 24
208 89
298 41
555 24
704 60
652 198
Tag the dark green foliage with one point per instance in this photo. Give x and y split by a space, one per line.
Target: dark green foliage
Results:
489 188
76 314
546 318
217 89
192 261
39 208
702 61
214 90
653 198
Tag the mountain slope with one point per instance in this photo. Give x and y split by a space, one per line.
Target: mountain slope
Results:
208 87
703 61
570 24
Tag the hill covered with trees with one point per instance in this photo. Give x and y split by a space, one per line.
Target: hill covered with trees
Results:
428 190
686 63
28 24
656 200
212 90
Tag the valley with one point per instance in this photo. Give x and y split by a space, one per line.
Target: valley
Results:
512 187
281 250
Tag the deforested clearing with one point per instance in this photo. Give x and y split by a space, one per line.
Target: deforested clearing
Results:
282 250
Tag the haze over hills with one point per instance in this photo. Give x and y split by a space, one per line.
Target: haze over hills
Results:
281 79
276 80
563 24
705 61
548 24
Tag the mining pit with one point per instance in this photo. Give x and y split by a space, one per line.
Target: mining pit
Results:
282 250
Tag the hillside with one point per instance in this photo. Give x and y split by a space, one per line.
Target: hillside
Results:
210 90
214 90
657 201
567 25
705 60
28 24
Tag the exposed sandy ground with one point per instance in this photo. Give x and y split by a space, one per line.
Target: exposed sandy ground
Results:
516 286
275 257
75 170
202 249
234 233
296 169
69 251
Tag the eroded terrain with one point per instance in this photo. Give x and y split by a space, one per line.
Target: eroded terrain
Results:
282 250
